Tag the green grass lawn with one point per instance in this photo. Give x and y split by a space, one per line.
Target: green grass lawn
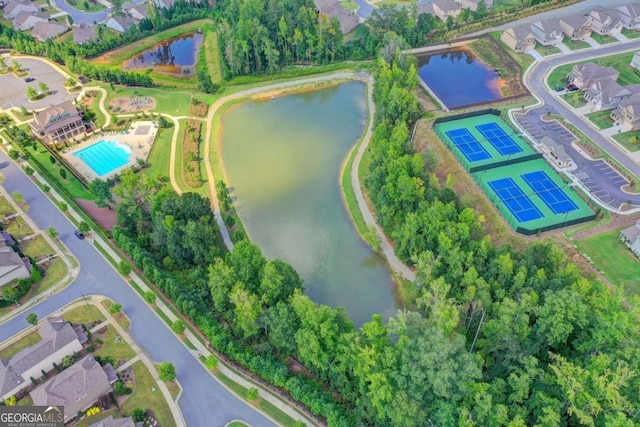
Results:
36 248
612 257
18 228
620 62
119 350
276 414
160 154
71 184
238 424
121 318
629 140
547 50
575 99
576 44
144 397
174 390
171 101
95 107
212 55
602 119
85 313
52 276
5 207
603 39
88 421
28 340
26 401
349 5
630 34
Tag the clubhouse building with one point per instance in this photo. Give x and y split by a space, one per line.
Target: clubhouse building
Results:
58 123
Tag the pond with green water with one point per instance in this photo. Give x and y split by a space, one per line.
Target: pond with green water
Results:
282 159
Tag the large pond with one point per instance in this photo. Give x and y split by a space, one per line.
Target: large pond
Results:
282 159
459 78
176 56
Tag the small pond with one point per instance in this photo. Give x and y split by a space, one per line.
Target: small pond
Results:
459 78
282 160
176 56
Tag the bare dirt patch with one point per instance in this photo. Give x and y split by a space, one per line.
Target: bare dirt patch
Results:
128 104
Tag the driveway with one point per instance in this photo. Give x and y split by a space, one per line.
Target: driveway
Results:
204 402
14 89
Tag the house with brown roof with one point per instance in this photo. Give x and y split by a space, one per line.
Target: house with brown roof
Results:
84 33
12 266
76 388
333 9
117 422
58 123
59 339
584 75
548 32
629 16
14 7
606 94
48 30
605 22
446 8
576 27
520 39
631 238
26 20
628 113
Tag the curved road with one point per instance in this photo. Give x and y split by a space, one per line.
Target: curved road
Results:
535 79
204 402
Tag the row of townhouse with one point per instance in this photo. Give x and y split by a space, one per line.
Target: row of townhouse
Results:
552 32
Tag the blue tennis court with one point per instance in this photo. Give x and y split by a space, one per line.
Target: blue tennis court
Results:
499 139
549 192
468 145
518 203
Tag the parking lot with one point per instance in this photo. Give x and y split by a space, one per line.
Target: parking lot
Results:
14 89
601 180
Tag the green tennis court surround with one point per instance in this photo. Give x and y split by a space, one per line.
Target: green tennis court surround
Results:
484 142
529 194
532 197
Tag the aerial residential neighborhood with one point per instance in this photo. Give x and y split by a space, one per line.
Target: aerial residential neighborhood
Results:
320 212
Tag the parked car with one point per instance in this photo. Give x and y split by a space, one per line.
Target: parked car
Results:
79 234
571 87
29 79
559 88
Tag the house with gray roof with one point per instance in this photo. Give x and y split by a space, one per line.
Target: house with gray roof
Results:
446 8
605 22
12 266
631 238
519 39
164 4
136 11
48 30
59 339
555 152
548 32
629 16
121 23
473 4
76 388
14 7
117 422
635 61
576 27
628 113
584 75
84 33
606 94
27 20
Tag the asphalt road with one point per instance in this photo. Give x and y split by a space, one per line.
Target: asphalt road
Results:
80 17
204 402
535 81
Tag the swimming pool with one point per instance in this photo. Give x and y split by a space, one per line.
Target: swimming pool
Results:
104 156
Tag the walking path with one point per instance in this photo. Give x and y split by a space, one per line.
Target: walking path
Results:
107 116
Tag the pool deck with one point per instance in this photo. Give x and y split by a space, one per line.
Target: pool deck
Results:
139 138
